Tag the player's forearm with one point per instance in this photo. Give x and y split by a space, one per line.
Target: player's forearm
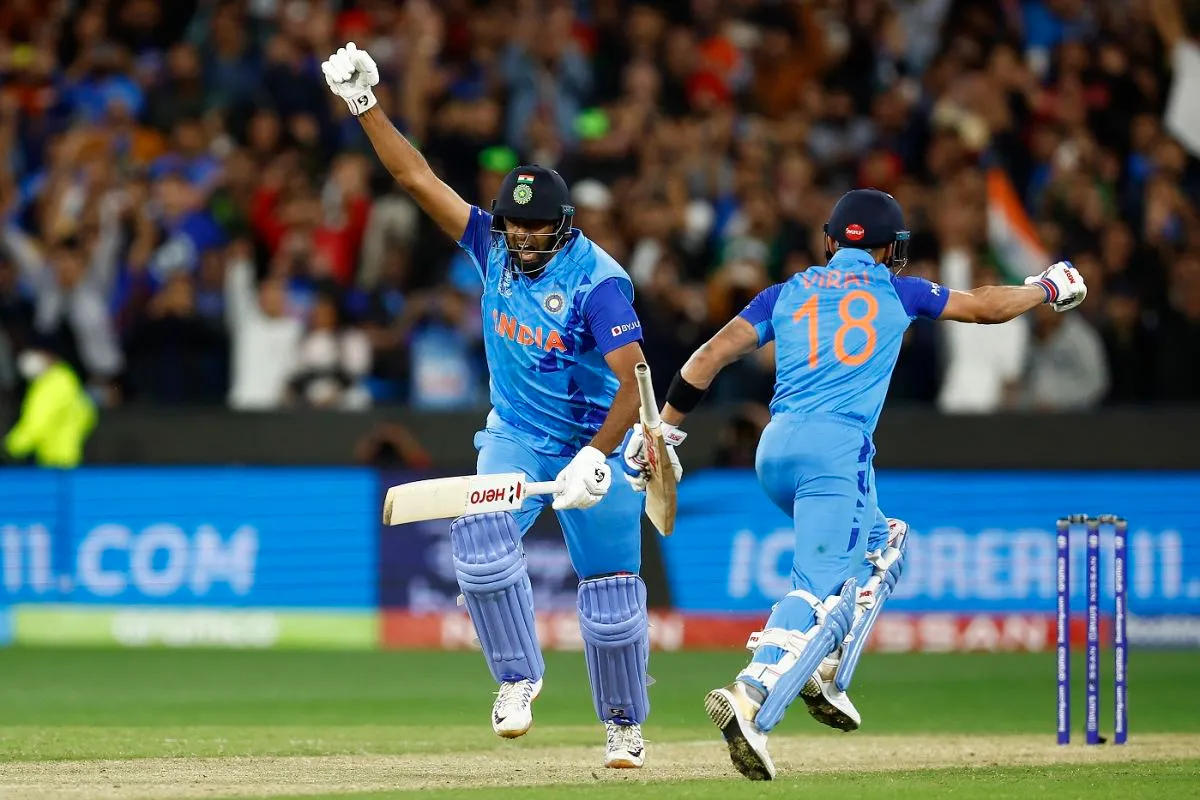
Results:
412 172
621 415
700 371
1001 303
403 161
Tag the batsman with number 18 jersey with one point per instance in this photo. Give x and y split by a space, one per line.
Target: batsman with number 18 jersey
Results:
561 340
837 331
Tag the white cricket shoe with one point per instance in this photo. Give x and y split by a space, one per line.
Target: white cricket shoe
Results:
826 704
624 748
512 713
733 710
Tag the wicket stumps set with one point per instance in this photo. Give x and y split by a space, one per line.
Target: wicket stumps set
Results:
1092 527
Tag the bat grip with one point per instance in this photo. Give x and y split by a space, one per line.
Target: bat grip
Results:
649 410
543 487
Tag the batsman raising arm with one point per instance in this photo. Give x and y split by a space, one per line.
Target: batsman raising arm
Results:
837 331
561 340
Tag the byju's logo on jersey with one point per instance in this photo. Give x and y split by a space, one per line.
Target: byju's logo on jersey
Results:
617 330
554 302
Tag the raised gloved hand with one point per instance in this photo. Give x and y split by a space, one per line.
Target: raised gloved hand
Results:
351 73
633 454
585 480
1063 285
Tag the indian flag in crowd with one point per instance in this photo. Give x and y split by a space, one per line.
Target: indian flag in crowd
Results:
1015 245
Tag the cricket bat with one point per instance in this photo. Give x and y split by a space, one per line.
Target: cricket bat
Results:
447 498
660 486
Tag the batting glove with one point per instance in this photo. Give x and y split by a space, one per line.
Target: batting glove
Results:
633 454
351 73
1063 285
585 480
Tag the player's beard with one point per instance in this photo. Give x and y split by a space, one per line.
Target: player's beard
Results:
538 250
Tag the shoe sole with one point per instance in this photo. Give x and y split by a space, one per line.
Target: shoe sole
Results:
722 713
823 711
513 734
623 763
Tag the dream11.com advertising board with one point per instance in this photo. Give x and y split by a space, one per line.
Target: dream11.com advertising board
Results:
979 568
225 557
978 576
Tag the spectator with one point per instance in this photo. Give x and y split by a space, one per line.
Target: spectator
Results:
705 143
332 361
265 340
1065 369
71 293
176 354
445 372
1179 343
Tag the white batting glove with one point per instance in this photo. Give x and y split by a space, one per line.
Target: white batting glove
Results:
1063 285
351 73
585 480
633 454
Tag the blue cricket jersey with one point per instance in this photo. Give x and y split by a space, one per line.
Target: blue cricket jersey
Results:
545 338
837 331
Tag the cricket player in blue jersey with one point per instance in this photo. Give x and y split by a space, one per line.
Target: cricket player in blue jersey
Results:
561 340
837 331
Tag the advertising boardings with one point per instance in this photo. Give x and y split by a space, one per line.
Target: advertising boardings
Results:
979 572
214 556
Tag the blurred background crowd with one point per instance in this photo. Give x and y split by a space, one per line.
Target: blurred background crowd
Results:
190 217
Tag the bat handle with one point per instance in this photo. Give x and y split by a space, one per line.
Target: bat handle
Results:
649 411
543 487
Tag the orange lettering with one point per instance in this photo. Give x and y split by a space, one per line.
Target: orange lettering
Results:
525 336
538 336
809 310
854 279
555 342
835 279
852 323
809 277
507 326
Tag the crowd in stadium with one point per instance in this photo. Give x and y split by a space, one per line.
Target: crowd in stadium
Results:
191 217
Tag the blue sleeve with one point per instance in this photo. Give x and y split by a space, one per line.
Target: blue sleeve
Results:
759 310
921 298
477 238
610 317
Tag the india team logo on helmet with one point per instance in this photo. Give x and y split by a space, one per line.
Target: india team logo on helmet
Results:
523 193
554 302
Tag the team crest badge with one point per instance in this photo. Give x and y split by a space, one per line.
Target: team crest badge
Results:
523 193
554 302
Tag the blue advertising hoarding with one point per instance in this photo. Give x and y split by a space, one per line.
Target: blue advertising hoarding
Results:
982 541
217 538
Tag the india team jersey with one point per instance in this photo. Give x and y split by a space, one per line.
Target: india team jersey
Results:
545 338
837 331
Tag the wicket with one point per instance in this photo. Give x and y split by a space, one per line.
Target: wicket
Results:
1063 625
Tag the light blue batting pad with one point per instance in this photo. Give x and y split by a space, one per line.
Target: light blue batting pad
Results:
860 632
825 638
615 629
490 566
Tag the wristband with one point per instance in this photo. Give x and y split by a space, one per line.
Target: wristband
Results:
1049 288
682 395
361 103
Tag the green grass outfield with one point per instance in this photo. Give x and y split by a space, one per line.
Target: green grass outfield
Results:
177 724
